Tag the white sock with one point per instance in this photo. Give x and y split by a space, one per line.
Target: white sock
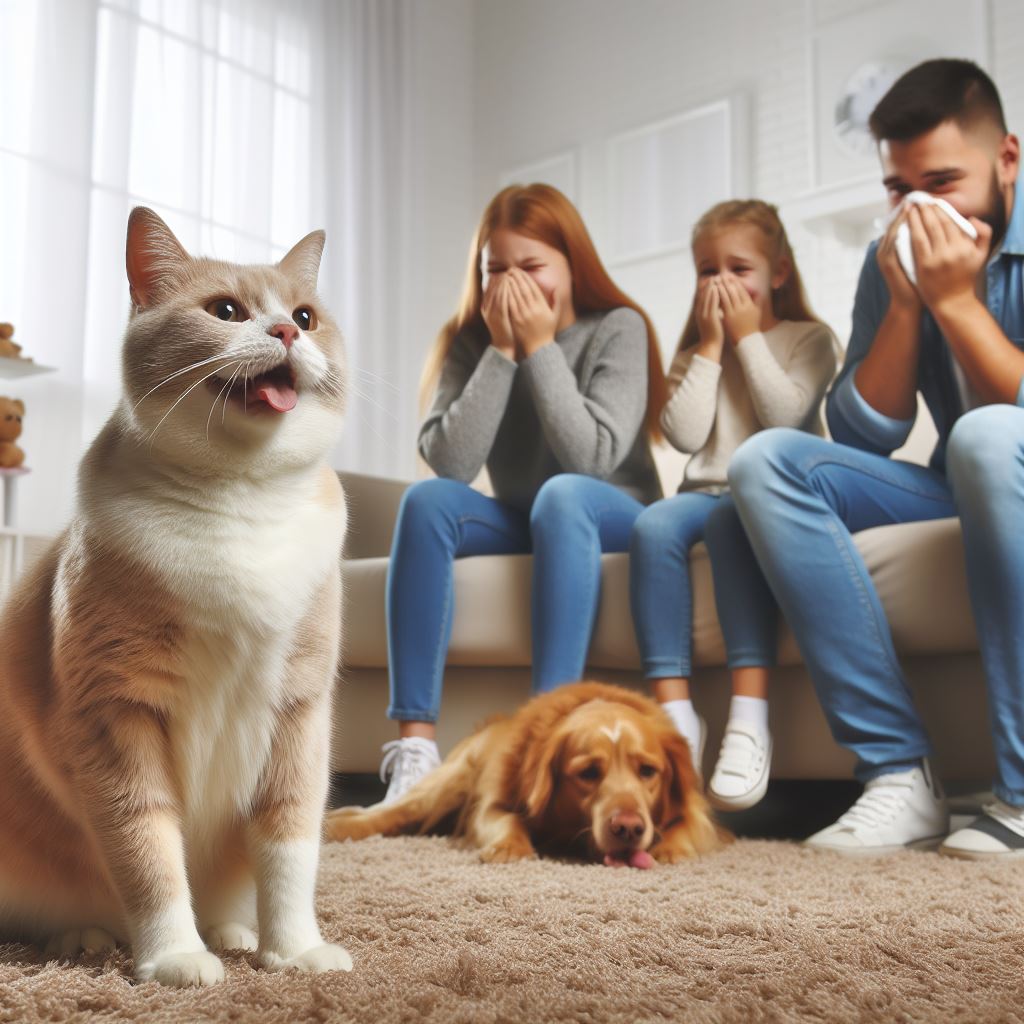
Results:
752 710
686 721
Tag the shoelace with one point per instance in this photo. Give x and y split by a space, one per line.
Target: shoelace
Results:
741 754
878 805
401 758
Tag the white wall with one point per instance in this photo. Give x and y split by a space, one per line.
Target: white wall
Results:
566 75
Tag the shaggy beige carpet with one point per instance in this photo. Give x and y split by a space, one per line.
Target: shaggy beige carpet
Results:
764 931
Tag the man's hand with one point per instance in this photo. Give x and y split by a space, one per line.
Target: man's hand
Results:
948 262
902 293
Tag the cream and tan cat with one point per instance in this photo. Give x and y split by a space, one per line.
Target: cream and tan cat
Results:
166 671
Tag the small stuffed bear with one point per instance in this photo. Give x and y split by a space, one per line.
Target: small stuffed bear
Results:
8 348
11 412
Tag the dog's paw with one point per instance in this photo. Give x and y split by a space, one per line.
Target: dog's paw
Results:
182 970
673 853
80 940
230 935
348 823
507 851
327 957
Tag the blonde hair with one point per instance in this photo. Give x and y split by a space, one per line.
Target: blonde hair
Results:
789 300
545 214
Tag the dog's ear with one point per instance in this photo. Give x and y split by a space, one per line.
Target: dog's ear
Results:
538 774
682 780
681 799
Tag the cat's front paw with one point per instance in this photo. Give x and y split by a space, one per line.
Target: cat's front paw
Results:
182 970
230 935
80 940
327 957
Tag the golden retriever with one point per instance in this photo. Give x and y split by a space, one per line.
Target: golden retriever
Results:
587 770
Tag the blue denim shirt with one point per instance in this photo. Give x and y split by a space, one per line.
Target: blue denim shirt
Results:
852 421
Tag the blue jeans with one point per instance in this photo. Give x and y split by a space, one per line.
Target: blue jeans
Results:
661 596
801 498
572 521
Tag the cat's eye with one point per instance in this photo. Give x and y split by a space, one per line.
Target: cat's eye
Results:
305 318
227 309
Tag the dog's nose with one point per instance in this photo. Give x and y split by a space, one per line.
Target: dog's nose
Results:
626 826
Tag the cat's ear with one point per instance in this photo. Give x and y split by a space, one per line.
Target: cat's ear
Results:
302 263
153 255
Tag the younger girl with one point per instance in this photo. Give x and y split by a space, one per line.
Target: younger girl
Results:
548 374
752 355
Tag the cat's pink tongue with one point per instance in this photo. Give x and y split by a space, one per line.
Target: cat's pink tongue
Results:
280 397
637 859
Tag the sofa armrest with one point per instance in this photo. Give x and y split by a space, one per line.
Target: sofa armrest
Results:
372 509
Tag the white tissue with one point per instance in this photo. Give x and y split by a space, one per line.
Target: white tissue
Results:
903 248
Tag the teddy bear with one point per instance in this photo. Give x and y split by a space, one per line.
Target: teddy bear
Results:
8 348
11 412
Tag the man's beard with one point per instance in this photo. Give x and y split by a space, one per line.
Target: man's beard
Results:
995 217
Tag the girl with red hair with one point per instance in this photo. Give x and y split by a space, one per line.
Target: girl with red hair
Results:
550 377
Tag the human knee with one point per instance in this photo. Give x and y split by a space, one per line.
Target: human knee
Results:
984 446
559 501
757 461
655 529
428 501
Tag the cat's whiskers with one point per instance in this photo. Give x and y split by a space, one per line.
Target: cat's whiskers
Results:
177 373
231 384
213 407
212 373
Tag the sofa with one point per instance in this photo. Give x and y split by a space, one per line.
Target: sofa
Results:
918 569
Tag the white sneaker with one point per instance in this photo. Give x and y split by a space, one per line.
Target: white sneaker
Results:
998 834
740 778
896 811
405 762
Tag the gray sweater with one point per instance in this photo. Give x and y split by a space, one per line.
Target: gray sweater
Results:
575 406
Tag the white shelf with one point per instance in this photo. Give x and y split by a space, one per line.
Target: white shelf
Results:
847 211
22 368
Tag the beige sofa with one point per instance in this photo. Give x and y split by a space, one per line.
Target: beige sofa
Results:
918 569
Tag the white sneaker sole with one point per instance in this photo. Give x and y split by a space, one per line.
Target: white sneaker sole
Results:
958 854
920 845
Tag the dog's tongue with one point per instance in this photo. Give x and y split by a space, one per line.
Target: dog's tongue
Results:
637 859
280 397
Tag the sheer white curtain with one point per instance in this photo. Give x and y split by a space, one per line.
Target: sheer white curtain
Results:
245 124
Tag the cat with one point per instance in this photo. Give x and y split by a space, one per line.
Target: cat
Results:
166 669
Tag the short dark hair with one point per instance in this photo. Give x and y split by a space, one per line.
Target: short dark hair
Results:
933 92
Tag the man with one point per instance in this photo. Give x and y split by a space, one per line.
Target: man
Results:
958 338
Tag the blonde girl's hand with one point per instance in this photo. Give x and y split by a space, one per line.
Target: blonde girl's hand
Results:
740 314
533 319
495 311
707 306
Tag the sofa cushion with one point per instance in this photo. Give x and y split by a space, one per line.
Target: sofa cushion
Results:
918 569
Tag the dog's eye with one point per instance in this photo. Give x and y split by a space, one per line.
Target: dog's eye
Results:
591 773
648 771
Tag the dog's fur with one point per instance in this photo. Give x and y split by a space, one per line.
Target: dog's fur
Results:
588 770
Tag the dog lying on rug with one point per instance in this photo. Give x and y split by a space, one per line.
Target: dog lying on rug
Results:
588 770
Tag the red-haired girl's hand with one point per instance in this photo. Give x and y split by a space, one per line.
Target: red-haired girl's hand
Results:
707 306
740 313
495 312
533 319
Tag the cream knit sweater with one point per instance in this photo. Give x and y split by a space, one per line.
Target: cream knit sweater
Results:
777 378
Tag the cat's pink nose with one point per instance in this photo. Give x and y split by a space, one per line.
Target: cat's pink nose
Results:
286 332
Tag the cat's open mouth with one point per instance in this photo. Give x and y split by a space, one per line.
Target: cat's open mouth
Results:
273 390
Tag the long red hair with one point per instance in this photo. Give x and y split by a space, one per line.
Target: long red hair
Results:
545 214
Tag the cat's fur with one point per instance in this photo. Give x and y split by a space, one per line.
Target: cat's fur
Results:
166 669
